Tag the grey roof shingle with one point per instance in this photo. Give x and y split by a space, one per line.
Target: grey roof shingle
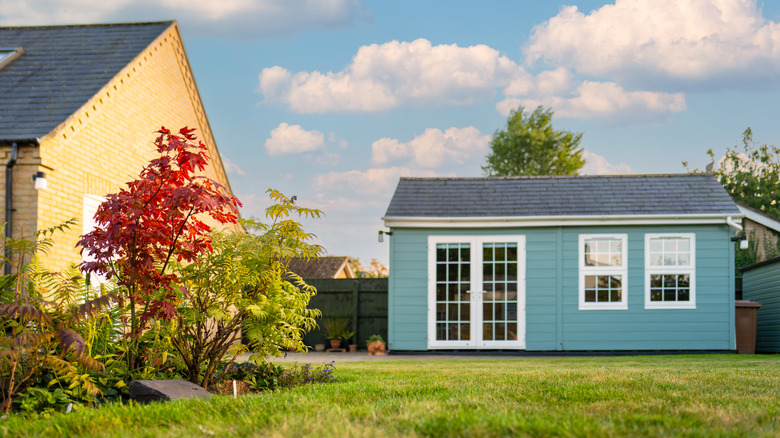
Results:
622 195
61 69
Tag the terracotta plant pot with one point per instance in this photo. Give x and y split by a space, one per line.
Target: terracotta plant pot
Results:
335 344
319 347
352 348
376 348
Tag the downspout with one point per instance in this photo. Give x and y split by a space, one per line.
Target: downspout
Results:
9 190
733 224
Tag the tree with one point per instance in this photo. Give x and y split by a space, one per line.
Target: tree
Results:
530 146
244 283
752 176
154 221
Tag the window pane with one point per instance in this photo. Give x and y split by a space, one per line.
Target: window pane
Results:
500 253
511 312
452 331
590 296
683 280
683 295
465 252
452 272
487 331
655 280
614 295
498 312
590 282
655 294
500 334
441 292
453 292
487 311
452 312
452 254
441 312
441 272
465 331
670 295
499 295
511 271
511 334
602 295
465 272
511 252
441 253
487 272
464 292
441 332
500 271
684 259
487 253
465 312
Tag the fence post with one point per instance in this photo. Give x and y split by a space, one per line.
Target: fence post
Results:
355 308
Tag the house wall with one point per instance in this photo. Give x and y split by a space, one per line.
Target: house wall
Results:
108 141
553 320
762 284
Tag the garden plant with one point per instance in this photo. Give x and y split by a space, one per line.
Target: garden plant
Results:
176 296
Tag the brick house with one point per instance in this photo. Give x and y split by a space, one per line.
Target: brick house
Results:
81 104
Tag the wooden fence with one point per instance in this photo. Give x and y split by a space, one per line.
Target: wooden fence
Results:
363 300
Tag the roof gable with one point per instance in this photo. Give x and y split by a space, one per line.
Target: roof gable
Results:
592 196
61 69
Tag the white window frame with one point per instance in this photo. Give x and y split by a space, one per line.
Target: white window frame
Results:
690 270
91 204
622 271
475 341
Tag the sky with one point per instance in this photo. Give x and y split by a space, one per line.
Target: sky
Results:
333 101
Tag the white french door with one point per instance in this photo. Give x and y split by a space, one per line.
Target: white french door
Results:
476 292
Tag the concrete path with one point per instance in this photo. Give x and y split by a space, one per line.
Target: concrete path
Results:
314 357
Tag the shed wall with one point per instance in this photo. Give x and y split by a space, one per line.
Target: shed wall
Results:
554 321
762 284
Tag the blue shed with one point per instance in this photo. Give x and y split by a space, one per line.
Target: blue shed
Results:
583 263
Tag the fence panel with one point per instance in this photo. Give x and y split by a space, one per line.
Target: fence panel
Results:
363 300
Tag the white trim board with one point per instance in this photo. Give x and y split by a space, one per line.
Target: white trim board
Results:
760 218
552 221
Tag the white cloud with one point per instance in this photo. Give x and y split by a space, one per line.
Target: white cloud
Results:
228 18
604 100
230 167
393 74
433 148
292 139
652 41
595 164
373 182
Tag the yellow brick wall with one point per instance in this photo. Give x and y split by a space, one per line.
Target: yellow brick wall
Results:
108 141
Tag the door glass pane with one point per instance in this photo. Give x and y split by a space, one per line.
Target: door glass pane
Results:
452 287
499 306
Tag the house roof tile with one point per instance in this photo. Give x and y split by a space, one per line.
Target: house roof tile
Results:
622 195
61 69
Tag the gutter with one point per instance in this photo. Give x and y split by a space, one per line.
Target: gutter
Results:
9 190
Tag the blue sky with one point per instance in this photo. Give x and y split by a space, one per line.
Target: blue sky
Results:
334 100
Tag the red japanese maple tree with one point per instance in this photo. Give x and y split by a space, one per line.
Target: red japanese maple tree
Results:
157 217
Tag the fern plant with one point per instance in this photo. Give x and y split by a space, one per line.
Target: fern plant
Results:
38 316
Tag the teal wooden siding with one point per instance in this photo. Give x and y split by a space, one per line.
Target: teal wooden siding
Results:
553 319
762 284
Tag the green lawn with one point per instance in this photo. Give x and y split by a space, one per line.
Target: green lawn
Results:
708 396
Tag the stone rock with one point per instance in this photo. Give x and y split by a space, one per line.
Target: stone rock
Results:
163 390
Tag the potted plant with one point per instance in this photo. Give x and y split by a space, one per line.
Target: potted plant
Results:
376 345
337 330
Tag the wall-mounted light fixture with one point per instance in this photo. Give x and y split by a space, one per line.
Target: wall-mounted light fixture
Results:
743 242
381 237
39 178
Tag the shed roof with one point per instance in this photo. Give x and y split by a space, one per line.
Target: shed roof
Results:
560 196
61 69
